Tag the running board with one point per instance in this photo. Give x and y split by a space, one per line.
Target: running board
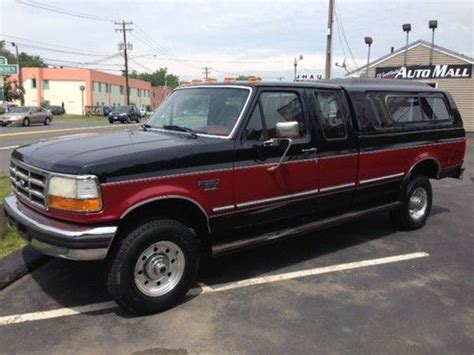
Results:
262 239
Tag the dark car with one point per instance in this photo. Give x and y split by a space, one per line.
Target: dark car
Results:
56 110
124 114
106 110
221 168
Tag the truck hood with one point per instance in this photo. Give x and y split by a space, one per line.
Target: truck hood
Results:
106 155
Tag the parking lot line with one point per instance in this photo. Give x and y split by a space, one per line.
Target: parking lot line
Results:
63 130
204 289
9 147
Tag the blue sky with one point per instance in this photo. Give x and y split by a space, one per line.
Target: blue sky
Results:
233 37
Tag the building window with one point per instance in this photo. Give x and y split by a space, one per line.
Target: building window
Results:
138 92
33 83
121 90
46 84
100 87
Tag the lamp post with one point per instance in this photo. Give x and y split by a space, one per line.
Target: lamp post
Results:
296 64
406 28
20 75
368 42
82 88
433 25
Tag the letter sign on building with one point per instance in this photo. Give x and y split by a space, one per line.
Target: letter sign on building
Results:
442 71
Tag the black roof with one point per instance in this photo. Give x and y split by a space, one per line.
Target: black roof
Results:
350 84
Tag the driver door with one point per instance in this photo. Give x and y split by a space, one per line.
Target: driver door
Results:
266 192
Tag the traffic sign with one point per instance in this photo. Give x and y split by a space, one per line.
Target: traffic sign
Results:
8 69
3 60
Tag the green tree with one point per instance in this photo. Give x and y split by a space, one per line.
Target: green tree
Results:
157 78
26 60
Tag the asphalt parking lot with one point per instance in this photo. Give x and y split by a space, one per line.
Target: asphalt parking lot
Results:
12 136
298 296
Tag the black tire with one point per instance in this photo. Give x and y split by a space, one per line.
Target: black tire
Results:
417 189
138 119
47 121
124 258
111 121
128 120
26 122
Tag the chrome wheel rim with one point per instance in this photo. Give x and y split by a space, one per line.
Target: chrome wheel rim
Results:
418 203
159 268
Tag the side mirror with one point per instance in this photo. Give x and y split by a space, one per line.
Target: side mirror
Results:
288 129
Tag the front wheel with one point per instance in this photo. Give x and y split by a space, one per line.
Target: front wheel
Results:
26 122
415 205
47 121
153 268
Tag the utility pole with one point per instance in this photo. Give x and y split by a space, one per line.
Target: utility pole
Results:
206 72
20 75
327 74
124 30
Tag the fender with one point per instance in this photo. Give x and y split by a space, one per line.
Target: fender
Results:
407 176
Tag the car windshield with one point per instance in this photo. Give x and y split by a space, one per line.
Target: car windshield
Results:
203 110
19 109
121 109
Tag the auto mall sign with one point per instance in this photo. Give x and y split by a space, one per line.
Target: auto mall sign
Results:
443 71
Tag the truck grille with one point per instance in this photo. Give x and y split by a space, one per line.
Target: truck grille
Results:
28 183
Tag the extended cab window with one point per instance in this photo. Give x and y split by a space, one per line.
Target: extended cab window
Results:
274 107
434 108
330 114
404 109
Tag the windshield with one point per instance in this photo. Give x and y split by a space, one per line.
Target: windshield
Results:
204 110
121 109
19 109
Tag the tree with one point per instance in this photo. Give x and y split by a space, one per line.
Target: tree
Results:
26 60
157 78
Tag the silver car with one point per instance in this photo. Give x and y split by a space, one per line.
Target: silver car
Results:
26 115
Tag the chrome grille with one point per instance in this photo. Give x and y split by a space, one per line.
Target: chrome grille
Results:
28 183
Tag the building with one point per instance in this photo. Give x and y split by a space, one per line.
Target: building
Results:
158 95
448 70
55 86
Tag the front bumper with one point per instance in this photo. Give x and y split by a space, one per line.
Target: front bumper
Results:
58 238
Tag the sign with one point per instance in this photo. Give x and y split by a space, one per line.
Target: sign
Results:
3 60
442 71
2 95
309 77
8 69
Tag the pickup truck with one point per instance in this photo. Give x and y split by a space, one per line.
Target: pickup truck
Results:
219 168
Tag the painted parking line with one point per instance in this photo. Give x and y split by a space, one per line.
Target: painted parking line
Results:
204 289
64 130
9 147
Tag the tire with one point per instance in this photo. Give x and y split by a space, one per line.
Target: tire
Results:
47 121
415 205
128 120
138 119
171 248
26 122
111 121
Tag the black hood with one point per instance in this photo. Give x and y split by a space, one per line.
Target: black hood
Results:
114 155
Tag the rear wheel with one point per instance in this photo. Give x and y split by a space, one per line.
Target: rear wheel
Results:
415 205
128 120
111 121
153 268
26 122
47 121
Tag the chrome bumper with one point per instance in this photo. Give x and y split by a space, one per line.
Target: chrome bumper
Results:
58 238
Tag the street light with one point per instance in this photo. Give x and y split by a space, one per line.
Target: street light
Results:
433 25
368 42
296 64
406 28
82 88
20 75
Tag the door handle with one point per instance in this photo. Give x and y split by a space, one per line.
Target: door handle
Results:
309 150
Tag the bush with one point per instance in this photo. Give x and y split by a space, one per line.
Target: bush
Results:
2 110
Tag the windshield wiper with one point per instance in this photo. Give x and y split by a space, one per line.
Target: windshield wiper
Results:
181 129
145 126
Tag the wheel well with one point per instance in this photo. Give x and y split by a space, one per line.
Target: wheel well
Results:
427 167
184 211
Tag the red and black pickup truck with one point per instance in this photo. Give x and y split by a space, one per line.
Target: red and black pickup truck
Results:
219 168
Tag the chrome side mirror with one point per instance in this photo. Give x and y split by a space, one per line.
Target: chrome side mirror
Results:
289 129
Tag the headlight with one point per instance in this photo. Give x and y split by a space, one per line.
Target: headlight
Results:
79 194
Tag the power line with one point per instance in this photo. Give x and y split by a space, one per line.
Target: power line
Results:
63 11
206 72
124 29
339 21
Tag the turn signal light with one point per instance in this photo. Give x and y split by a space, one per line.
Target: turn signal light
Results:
75 205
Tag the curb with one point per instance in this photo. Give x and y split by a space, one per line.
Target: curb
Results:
20 263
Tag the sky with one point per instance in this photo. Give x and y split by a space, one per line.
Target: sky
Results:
248 37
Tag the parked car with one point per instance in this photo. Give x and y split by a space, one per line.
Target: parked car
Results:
124 114
106 110
143 112
56 110
218 169
26 115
